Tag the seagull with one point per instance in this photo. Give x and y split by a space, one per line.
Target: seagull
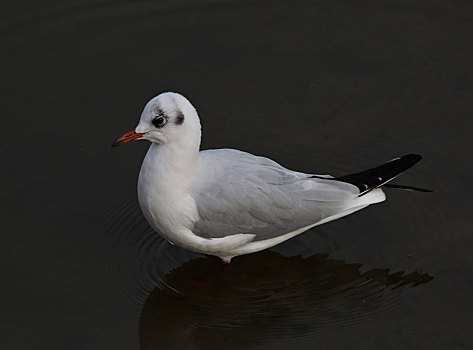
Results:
226 202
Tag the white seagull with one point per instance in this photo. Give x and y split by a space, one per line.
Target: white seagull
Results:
226 202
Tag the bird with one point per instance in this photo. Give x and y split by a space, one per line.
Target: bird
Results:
227 202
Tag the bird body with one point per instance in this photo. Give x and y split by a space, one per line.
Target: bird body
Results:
227 202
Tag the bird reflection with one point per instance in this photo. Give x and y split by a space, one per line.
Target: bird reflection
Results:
265 297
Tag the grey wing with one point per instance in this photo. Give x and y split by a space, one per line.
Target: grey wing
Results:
241 193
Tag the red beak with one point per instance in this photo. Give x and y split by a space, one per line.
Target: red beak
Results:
129 136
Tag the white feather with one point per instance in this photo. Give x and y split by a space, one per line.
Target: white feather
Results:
227 202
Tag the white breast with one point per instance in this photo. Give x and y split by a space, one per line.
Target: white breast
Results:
163 195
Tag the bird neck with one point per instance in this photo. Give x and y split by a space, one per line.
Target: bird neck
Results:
171 166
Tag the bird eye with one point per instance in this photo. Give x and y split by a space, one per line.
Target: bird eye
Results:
159 122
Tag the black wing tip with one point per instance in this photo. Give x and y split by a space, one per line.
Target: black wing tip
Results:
411 158
376 177
402 163
416 155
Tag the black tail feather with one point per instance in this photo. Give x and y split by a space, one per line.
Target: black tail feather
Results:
407 188
376 177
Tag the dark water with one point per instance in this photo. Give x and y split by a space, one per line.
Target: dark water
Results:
321 86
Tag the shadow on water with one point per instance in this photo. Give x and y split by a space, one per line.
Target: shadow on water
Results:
189 301
265 297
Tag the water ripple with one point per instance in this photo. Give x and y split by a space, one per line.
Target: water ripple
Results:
189 300
267 297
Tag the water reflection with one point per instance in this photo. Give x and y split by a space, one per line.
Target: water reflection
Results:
265 297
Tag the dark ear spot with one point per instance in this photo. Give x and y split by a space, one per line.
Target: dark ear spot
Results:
180 118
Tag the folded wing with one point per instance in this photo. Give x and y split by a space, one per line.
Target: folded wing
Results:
243 193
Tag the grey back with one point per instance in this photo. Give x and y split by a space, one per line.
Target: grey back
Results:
238 192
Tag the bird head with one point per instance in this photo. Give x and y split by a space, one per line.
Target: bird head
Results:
166 118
